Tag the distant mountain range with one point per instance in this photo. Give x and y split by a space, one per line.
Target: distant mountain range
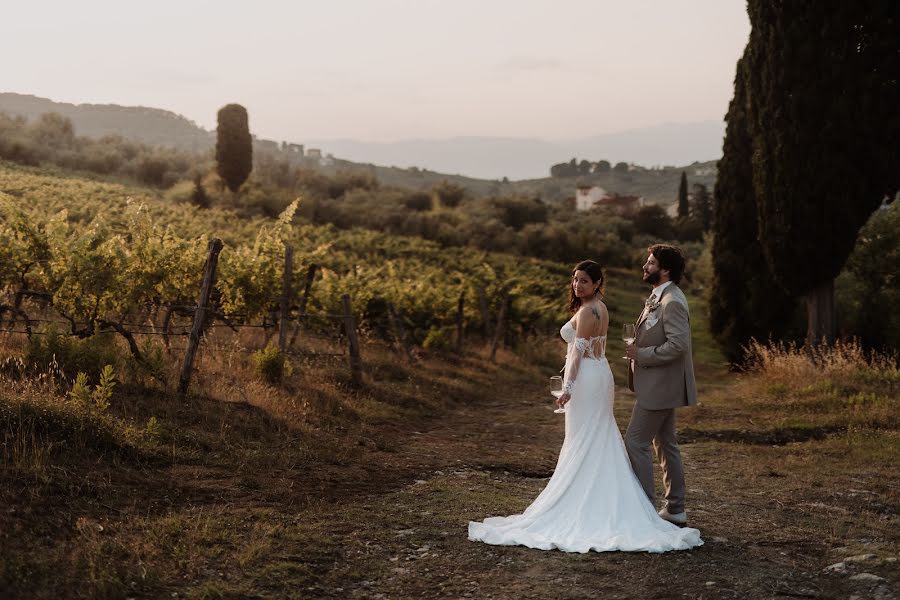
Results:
527 158
478 157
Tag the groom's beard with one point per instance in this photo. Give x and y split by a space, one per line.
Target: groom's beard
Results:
653 278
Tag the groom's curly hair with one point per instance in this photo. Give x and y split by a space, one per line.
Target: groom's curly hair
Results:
670 258
595 272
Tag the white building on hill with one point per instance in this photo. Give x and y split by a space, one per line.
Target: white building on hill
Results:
587 196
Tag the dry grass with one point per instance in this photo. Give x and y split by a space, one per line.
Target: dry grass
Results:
312 488
838 387
789 394
158 491
39 422
790 365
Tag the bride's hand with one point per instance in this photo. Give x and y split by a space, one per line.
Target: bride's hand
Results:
564 399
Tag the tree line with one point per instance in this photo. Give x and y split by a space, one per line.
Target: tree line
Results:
574 168
810 152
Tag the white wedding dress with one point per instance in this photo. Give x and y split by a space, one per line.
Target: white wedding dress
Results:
593 501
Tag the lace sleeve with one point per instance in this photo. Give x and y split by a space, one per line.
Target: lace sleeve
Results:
577 350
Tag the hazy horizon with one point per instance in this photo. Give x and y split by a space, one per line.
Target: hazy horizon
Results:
393 70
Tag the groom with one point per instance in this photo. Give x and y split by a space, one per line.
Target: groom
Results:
662 378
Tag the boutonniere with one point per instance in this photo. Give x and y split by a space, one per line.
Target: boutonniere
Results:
652 305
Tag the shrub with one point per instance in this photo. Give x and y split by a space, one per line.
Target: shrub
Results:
152 171
653 220
271 364
447 194
151 366
101 394
345 181
436 339
153 429
867 291
519 212
688 229
70 355
180 193
419 201
81 391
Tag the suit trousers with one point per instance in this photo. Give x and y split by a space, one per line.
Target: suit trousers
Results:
656 427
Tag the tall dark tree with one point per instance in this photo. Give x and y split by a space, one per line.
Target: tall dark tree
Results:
701 205
745 302
621 167
683 208
234 146
824 87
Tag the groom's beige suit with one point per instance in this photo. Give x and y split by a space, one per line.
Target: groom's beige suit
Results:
662 378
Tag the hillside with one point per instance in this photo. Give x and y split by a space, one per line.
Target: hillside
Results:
313 487
164 128
148 125
657 186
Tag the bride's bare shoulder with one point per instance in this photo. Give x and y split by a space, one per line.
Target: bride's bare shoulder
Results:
595 310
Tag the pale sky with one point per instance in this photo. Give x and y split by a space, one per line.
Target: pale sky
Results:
384 70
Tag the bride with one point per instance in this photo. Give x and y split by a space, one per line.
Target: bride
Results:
593 501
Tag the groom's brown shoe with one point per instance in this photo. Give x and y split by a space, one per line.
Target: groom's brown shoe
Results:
679 519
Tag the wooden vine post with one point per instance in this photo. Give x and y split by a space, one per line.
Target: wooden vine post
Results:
353 339
209 278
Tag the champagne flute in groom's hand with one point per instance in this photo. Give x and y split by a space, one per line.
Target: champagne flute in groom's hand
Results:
628 335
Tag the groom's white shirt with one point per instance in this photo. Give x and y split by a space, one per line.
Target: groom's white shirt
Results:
658 290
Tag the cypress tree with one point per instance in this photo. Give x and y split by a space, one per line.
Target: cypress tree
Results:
824 85
234 146
701 206
745 302
683 208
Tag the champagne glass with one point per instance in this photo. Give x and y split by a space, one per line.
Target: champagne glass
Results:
556 389
628 335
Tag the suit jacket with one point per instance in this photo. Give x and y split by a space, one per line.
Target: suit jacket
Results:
662 377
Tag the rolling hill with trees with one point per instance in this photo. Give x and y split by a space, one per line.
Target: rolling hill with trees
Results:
161 128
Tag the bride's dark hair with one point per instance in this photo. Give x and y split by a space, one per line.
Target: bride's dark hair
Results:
593 271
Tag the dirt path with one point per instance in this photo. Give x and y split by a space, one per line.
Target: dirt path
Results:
766 535
786 511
